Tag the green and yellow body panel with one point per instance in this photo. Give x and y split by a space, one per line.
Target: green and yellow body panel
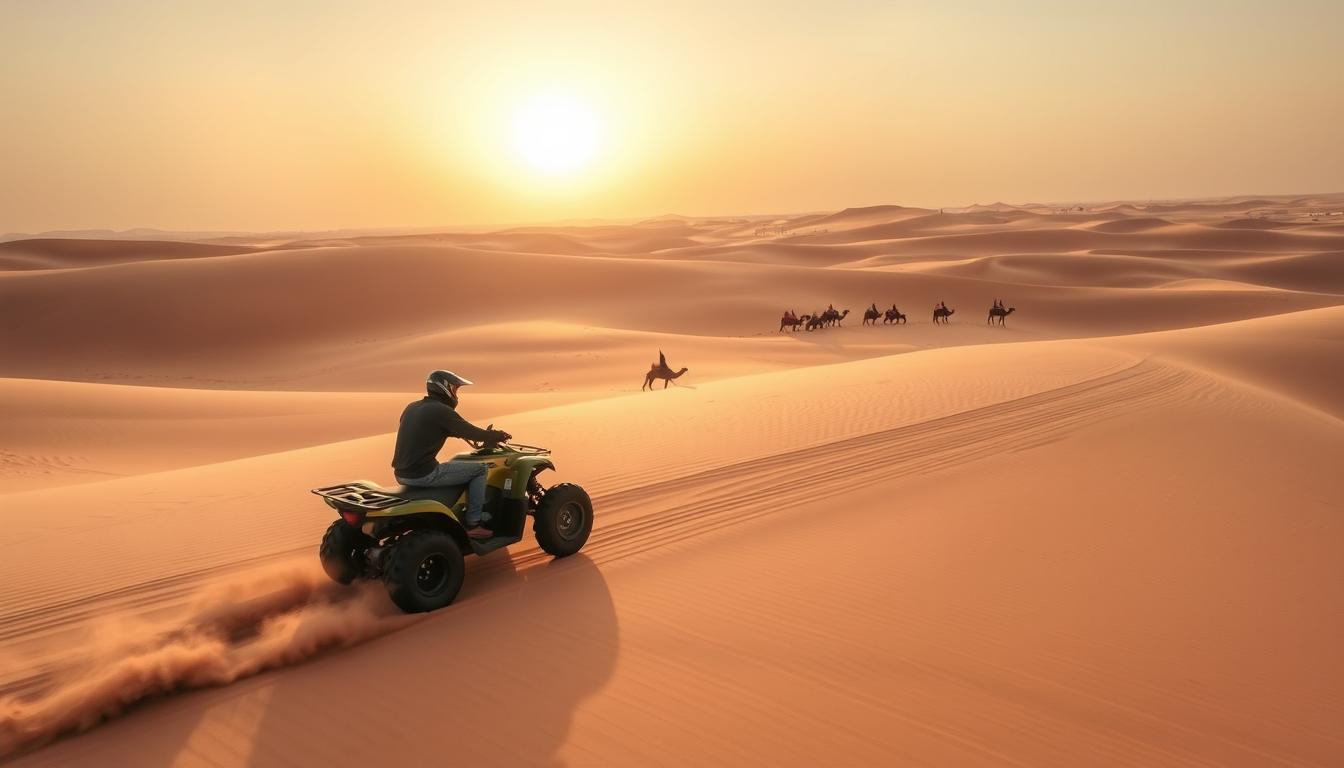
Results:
506 478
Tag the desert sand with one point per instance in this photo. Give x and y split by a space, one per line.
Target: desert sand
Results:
1108 532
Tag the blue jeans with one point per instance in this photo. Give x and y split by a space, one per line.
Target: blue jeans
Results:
456 473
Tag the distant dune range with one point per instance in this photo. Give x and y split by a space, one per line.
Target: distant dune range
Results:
1105 533
63 253
272 318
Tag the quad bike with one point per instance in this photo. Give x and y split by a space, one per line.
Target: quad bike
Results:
414 538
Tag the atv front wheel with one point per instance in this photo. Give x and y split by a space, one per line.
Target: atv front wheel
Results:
424 571
564 518
342 552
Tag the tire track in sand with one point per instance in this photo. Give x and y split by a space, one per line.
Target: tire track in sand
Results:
671 511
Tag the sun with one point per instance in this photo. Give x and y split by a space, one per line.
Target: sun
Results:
555 134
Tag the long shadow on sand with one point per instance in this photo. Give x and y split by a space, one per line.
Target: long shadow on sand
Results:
497 676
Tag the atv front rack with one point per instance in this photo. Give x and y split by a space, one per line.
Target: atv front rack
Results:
359 496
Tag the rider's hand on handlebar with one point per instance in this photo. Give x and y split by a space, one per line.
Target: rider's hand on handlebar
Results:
500 436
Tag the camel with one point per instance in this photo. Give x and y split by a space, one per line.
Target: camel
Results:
1000 313
791 321
893 316
834 317
814 321
660 370
941 314
871 314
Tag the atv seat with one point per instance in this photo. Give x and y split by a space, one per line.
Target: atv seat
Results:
445 494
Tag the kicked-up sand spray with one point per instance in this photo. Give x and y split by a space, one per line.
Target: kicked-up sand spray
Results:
227 632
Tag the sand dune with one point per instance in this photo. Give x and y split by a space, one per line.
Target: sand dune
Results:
1254 224
295 319
919 224
861 216
56 253
1185 236
1137 393
1235 204
1309 273
1106 533
1297 356
1133 224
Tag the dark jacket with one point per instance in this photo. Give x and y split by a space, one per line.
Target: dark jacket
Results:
425 425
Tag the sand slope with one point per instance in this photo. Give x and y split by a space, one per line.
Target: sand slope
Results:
1104 534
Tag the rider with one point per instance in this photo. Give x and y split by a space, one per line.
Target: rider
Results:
425 425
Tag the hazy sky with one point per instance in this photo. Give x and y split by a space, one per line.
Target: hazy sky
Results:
313 115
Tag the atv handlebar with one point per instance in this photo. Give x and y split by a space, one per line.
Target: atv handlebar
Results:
485 446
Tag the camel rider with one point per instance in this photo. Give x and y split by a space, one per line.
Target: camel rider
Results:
425 425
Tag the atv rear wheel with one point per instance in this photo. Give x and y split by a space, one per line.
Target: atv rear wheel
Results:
342 552
424 571
564 518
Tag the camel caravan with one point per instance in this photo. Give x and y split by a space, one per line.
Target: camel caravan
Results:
942 315
817 320
812 322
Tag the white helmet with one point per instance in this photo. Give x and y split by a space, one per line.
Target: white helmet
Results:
444 383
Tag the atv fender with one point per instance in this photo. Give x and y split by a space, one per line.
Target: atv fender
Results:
431 520
535 463
528 468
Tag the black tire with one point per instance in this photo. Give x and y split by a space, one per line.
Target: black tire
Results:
424 571
564 518
342 552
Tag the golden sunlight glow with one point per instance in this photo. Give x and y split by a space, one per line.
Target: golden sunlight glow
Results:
499 114
556 134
